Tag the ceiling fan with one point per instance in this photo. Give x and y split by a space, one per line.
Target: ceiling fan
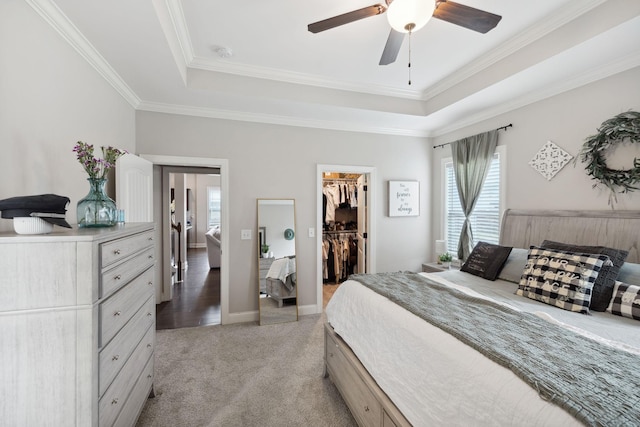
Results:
407 16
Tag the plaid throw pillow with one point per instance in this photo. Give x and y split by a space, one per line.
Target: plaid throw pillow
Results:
625 301
560 278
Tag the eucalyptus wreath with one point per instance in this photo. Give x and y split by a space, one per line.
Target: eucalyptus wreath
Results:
623 127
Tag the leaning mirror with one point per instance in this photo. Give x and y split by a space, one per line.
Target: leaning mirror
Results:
278 288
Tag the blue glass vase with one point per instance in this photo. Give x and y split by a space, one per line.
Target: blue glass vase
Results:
96 209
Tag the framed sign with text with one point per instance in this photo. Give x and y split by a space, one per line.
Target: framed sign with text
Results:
404 198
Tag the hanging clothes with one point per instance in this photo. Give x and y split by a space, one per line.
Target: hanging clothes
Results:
339 256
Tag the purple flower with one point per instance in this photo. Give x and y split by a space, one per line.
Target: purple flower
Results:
96 167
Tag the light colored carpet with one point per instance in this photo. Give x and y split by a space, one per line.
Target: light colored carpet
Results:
244 375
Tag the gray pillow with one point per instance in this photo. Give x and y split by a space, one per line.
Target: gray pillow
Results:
603 287
630 273
513 267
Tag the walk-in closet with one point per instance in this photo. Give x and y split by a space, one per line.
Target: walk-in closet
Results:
340 230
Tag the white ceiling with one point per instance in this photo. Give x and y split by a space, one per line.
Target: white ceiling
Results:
161 55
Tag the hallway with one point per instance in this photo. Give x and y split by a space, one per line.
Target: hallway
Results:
196 301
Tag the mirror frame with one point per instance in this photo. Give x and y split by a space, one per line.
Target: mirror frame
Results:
270 310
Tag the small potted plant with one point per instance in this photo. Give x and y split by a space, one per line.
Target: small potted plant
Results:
265 250
445 259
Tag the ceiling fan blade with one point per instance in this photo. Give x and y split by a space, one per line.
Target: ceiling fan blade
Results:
466 16
346 18
391 49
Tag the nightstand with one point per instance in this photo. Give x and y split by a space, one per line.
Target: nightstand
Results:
434 267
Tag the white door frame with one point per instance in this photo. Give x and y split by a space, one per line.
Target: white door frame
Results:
223 164
371 223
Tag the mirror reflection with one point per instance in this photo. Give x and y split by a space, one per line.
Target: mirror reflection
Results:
277 261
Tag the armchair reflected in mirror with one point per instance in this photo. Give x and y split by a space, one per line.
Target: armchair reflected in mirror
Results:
278 287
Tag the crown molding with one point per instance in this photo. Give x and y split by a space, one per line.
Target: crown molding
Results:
300 78
277 120
590 76
50 12
179 23
564 15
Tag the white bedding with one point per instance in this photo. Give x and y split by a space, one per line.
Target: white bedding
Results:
433 378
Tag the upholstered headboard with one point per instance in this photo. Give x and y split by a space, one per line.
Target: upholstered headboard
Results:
614 229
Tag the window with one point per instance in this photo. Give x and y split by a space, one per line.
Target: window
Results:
213 203
485 219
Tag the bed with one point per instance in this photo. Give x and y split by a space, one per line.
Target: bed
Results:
281 280
393 367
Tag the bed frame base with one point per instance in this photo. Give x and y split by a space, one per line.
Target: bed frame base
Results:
369 405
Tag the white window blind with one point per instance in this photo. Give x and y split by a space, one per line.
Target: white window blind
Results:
213 203
485 219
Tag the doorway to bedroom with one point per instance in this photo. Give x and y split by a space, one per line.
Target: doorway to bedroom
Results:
193 197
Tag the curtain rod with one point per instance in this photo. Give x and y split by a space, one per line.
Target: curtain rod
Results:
510 125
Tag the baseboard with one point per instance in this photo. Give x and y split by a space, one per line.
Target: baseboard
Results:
304 310
253 316
197 245
246 316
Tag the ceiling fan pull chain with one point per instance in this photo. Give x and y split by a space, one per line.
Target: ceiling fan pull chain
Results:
409 65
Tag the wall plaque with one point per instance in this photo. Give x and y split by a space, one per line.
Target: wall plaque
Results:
404 198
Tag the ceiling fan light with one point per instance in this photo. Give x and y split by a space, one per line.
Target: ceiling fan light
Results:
402 13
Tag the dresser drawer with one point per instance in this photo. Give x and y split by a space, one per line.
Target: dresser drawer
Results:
116 311
113 279
119 391
118 249
115 354
363 404
138 397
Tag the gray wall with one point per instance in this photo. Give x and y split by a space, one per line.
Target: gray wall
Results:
271 161
567 120
50 98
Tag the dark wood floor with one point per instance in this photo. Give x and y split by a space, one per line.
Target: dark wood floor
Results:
196 301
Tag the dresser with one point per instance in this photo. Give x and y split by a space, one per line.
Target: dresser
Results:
77 326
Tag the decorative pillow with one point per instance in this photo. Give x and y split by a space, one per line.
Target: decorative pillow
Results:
630 273
512 269
625 301
603 287
486 260
560 278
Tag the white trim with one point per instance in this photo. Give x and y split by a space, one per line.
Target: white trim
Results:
50 12
217 113
223 164
371 220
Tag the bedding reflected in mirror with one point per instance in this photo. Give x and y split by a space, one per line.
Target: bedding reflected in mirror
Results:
277 290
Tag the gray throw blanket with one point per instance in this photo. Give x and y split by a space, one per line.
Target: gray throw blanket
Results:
597 384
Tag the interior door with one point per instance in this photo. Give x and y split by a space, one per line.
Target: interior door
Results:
362 224
134 188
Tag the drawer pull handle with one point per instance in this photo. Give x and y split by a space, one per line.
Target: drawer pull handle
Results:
116 252
150 256
149 376
150 283
149 314
116 357
148 345
118 277
117 313
150 238
366 409
114 401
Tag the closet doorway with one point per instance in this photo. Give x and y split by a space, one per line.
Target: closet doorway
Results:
346 199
